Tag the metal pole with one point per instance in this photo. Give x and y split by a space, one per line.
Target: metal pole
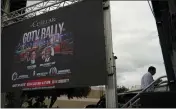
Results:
7 10
111 96
172 9
2 94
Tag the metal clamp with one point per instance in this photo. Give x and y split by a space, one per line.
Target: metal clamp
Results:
110 74
105 5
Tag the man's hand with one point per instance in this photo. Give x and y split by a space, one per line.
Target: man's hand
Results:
158 81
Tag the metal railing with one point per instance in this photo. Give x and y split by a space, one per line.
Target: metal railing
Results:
135 102
130 102
160 85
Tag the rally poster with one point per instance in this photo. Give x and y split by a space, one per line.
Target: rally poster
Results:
64 48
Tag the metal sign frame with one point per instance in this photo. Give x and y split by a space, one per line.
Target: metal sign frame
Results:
34 10
46 6
111 92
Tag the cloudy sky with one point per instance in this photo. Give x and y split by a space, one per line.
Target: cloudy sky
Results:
135 41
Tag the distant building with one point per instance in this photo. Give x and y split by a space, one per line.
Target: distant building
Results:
136 87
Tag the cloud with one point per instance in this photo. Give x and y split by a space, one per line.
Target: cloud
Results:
135 41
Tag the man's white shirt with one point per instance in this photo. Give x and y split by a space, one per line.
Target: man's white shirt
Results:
146 80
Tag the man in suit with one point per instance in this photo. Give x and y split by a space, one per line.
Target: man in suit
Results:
33 57
49 52
27 56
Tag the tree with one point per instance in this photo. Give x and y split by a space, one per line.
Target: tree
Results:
122 89
9 100
40 95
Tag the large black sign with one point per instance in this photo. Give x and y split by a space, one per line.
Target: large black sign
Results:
61 49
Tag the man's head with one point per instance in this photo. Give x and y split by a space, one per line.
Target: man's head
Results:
48 52
43 54
33 55
152 70
26 56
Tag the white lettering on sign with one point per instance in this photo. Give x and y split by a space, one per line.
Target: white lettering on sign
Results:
43 32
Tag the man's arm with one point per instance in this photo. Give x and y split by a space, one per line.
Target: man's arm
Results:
150 80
